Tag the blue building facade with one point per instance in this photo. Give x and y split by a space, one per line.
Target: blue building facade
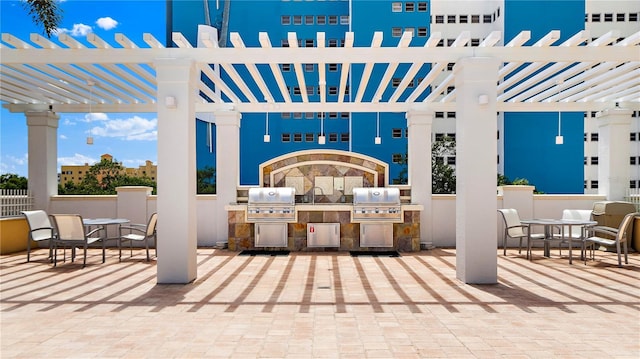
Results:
529 138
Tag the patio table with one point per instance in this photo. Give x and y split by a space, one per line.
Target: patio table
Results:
104 223
549 223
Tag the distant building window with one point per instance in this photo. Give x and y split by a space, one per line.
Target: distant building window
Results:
284 43
396 158
633 136
297 19
396 133
297 137
409 6
333 115
475 19
633 17
309 67
395 82
396 6
439 137
285 67
475 42
594 160
422 32
451 161
486 19
285 20
309 115
594 184
333 42
410 30
333 90
632 184
585 160
344 115
321 20
333 137
450 66
632 160
451 19
422 6
396 31
464 19
439 114
285 137
309 137
594 137
595 17
333 67
344 20
450 42
309 43
297 115
439 19
285 115
451 114
333 20
585 137
585 184
344 137
308 19
296 90
608 17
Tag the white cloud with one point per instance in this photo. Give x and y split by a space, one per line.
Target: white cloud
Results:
130 129
76 160
77 30
96 116
106 23
63 137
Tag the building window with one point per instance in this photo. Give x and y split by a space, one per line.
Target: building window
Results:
309 43
333 20
396 158
285 20
451 19
344 137
594 160
395 82
333 42
595 17
333 137
632 184
439 137
297 137
633 136
422 32
396 6
486 19
308 19
422 6
464 19
409 6
439 114
585 184
309 137
450 42
321 20
309 115
410 30
594 137
296 90
632 160
344 115
451 114
608 17
285 115
633 16
451 161
333 115
297 115
585 137
309 67
396 133
333 90
333 67
285 67
439 19
475 19
344 19
284 43
450 66
594 184
297 19
285 137
585 160
396 31
475 42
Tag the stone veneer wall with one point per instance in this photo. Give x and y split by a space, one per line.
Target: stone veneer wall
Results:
406 235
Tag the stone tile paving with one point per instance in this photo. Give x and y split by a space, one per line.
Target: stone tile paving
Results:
320 305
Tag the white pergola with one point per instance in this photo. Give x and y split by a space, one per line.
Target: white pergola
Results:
41 78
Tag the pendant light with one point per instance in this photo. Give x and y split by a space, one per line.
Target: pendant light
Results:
266 137
559 138
321 139
90 137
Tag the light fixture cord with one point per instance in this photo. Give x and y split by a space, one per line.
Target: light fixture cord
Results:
377 124
266 124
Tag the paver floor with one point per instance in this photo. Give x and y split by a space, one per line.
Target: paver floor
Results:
320 305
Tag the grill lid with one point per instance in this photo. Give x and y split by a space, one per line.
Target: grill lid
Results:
272 196
379 196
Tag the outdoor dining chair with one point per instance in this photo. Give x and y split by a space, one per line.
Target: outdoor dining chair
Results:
71 233
574 233
513 228
139 233
620 237
40 229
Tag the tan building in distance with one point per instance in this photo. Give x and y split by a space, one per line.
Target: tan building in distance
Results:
75 174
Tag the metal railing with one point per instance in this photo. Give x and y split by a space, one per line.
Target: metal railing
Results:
633 196
14 201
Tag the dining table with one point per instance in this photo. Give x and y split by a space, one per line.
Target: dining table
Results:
564 227
104 223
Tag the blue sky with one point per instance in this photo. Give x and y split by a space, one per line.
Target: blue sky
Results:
131 138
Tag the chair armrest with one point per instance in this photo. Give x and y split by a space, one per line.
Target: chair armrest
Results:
89 234
42 228
603 230
134 227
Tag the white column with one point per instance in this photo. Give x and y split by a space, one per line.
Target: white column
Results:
227 166
132 203
43 156
476 169
419 169
177 217
614 149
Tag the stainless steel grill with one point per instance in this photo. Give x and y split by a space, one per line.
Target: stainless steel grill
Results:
376 204
271 204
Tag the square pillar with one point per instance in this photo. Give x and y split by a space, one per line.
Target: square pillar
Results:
227 166
614 149
177 217
476 169
43 156
419 125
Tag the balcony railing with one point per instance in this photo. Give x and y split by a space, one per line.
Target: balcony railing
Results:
14 201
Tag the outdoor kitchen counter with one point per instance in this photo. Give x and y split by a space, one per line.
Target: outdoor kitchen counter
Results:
406 232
